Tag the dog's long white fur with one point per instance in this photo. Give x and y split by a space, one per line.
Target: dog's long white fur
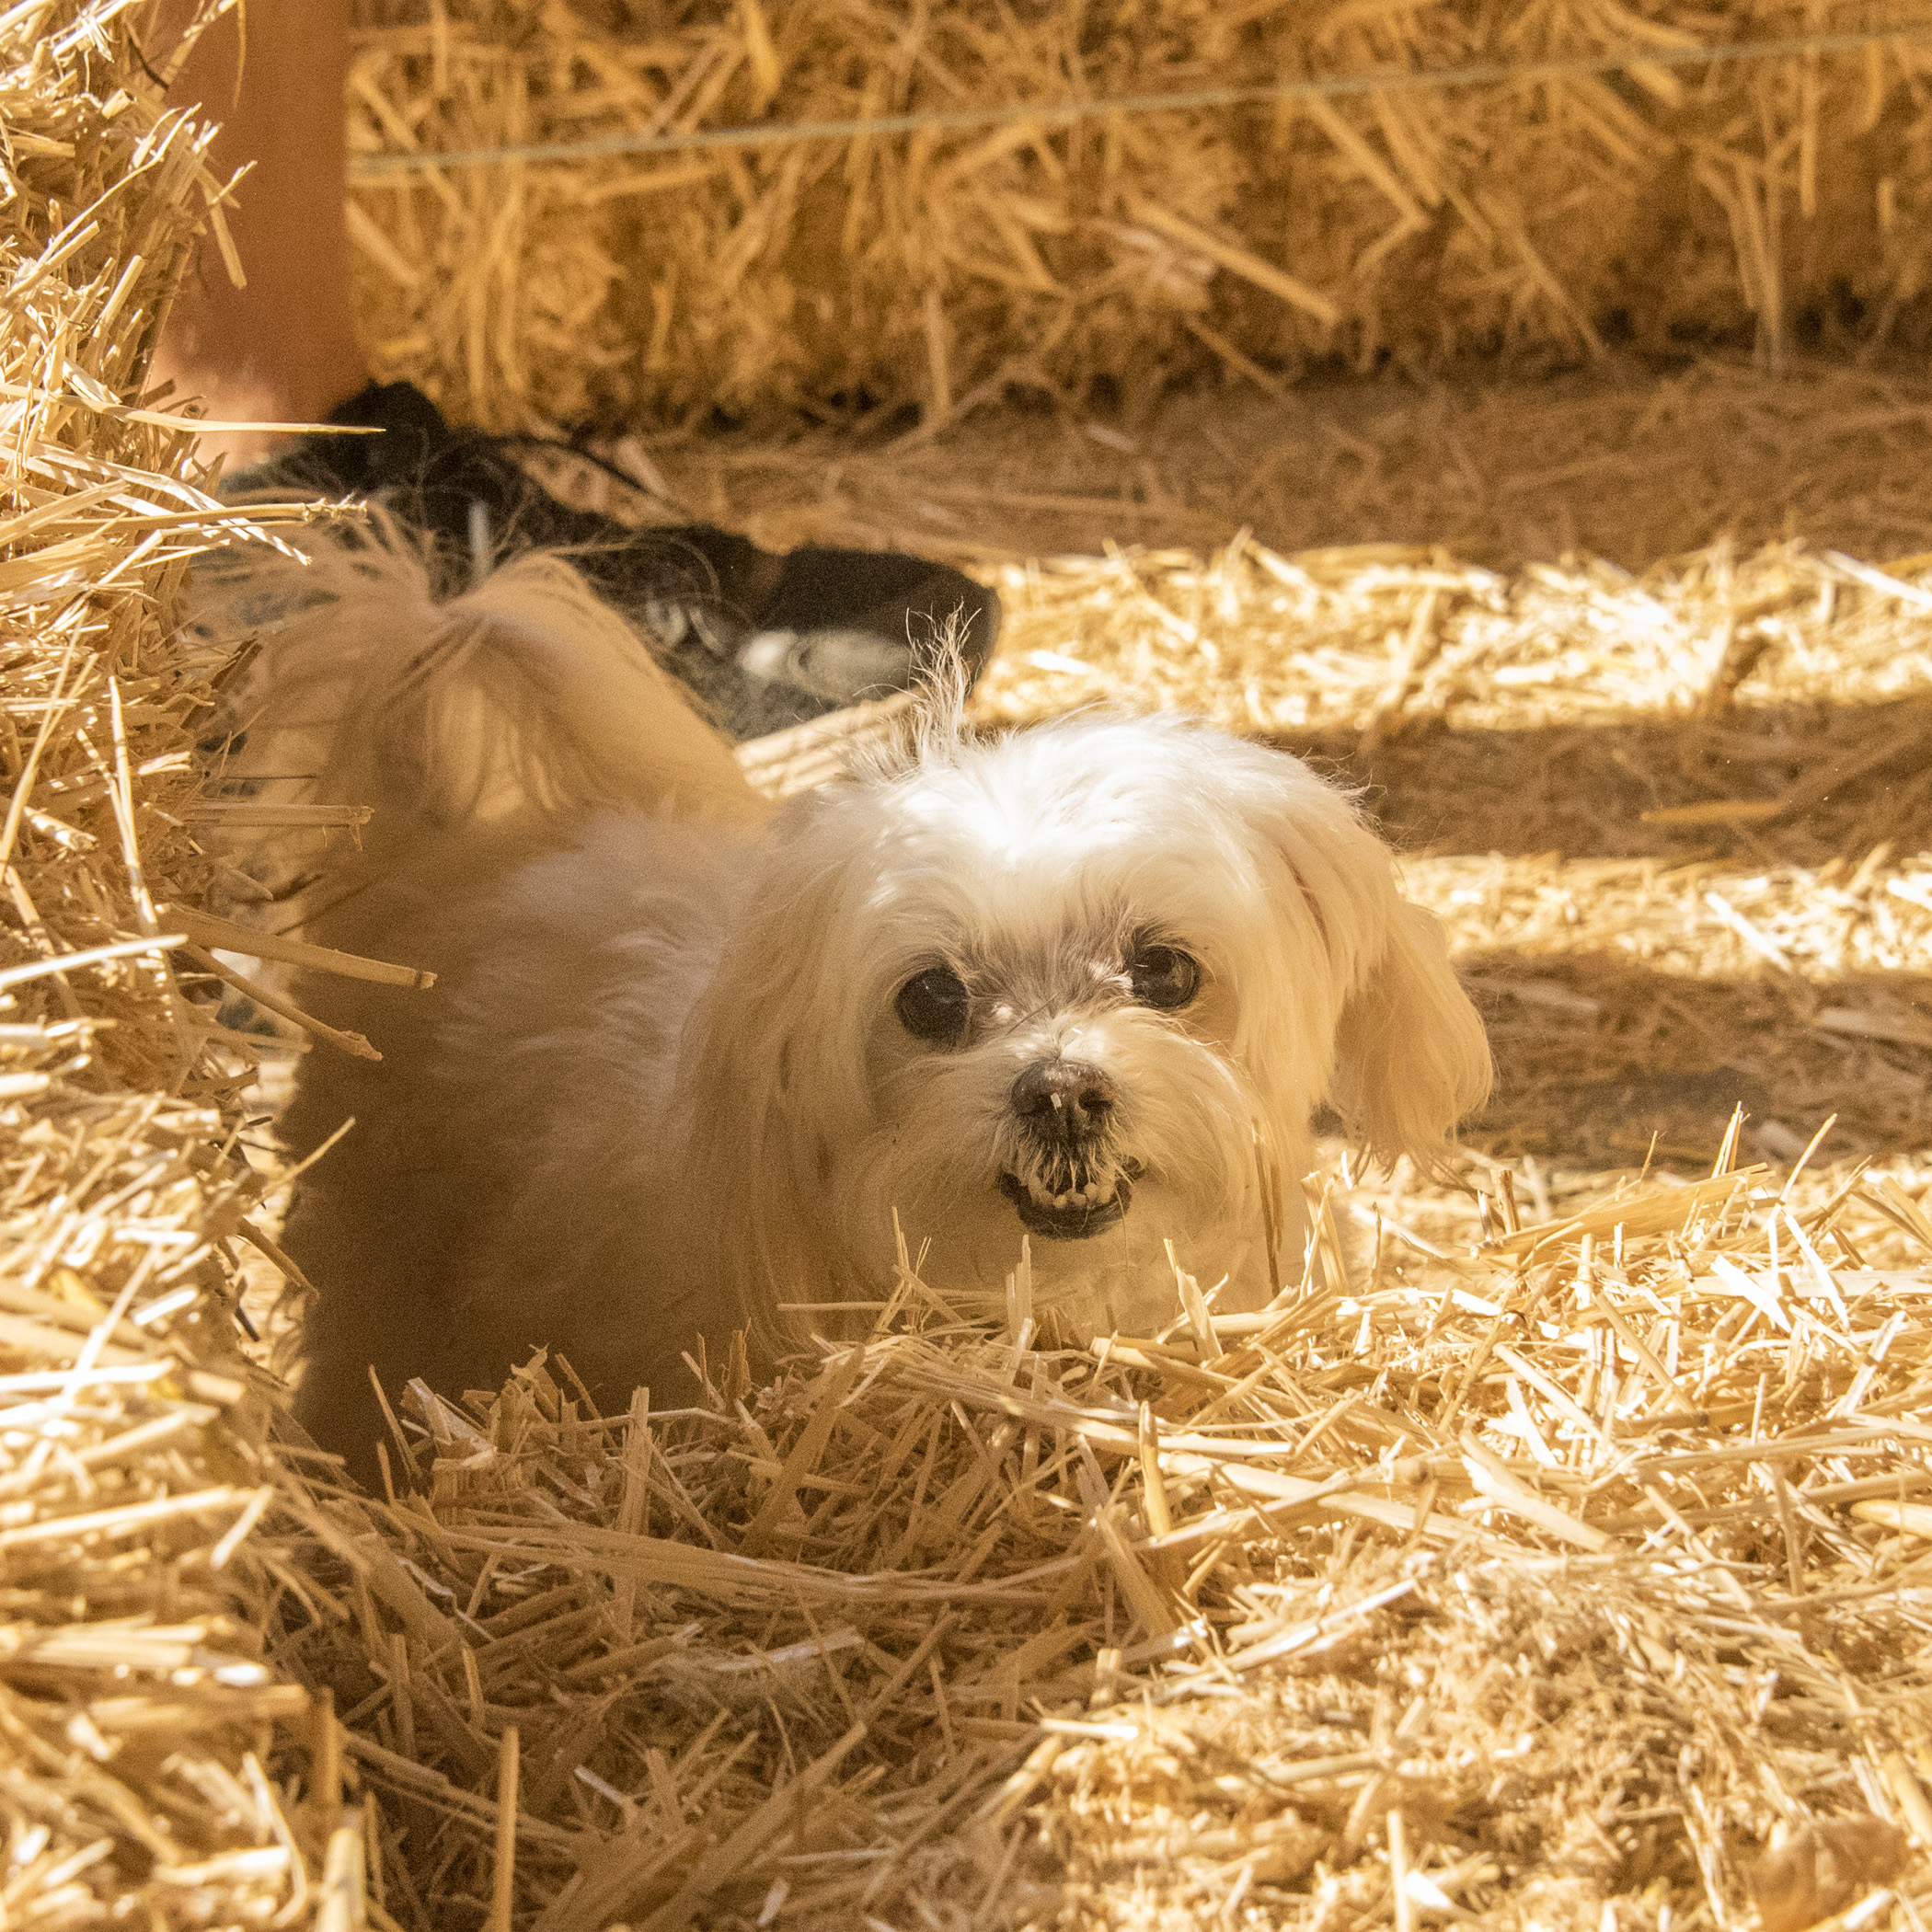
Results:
662 1086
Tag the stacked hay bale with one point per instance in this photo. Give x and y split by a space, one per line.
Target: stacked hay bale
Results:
1026 220
143 1734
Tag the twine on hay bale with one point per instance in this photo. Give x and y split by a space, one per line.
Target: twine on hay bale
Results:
1777 200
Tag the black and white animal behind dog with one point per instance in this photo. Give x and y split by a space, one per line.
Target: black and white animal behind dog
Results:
689 1055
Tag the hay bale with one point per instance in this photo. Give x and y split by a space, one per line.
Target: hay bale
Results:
142 1733
1586 192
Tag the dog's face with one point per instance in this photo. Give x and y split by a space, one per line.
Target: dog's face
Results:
1083 987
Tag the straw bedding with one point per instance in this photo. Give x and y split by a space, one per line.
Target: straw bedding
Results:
1633 463
1583 1554
1553 1553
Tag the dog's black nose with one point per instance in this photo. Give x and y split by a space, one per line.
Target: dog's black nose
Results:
1064 1099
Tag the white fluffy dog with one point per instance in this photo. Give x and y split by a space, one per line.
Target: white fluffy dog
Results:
689 1055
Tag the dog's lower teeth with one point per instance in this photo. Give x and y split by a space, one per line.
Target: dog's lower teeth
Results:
1069 1205
1089 1194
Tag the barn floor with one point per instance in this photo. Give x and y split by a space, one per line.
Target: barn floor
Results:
1623 460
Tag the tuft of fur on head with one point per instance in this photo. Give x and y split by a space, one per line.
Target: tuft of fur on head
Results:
935 726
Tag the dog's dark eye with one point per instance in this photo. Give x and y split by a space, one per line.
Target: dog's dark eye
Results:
932 1005
1164 976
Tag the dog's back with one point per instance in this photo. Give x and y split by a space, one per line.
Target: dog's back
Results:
548 818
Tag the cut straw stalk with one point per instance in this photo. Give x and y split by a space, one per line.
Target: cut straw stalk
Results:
207 932
503 1895
352 1043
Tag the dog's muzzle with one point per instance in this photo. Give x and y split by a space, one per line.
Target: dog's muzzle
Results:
1069 1183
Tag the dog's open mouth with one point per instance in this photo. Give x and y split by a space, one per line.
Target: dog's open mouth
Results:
1082 1205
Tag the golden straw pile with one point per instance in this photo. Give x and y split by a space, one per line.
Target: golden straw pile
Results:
1580 1547
1775 202
1554 1552
1542 1575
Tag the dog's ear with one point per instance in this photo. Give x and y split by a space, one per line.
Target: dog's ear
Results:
1409 1055
770 1071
